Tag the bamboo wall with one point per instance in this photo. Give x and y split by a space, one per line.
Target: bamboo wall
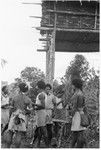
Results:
71 21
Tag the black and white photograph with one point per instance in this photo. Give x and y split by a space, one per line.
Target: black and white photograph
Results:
50 73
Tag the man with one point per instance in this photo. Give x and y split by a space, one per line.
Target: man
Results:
78 103
40 114
18 120
49 105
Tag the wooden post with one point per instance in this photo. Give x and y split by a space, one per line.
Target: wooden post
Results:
47 60
53 45
52 51
95 17
47 66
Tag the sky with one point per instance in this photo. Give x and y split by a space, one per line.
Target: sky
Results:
19 41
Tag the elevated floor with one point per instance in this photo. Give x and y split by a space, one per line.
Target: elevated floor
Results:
76 40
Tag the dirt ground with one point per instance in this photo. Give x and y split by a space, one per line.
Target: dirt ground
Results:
92 139
65 143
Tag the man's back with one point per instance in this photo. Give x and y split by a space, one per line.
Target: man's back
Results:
21 101
78 100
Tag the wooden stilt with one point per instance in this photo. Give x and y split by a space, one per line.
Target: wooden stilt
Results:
47 60
52 52
95 17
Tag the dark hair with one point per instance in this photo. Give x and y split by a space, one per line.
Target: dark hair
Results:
48 85
77 83
23 87
3 88
41 84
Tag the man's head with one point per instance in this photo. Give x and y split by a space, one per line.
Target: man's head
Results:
41 85
77 83
5 89
23 87
48 88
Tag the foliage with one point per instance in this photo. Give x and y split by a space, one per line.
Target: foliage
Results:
18 81
32 74
55 84
3 62
78 68
91 92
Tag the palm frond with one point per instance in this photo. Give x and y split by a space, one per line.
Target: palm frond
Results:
3 62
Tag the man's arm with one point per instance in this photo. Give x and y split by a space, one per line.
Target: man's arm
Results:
57 103
60 102
54 100
29 106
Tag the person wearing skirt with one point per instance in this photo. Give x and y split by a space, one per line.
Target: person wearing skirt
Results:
78 103
18 121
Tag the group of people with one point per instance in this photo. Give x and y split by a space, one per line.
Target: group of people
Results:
14 114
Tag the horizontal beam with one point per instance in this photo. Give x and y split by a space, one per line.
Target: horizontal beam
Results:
71 13
44 46
52 26
67 30
41 50
32 3
44 39
35 17
49 25
66 46
43 28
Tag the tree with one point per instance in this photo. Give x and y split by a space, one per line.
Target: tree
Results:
91 92
32 74
55 86
79 68
18 81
